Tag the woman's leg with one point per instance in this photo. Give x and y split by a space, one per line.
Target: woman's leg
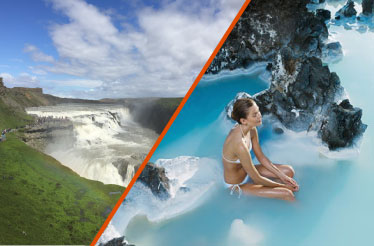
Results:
286 169
268 192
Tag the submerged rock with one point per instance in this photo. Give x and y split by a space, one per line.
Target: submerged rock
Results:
348 10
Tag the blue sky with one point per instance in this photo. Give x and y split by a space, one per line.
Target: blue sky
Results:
110 49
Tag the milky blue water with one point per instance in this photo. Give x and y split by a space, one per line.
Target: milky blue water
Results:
335 204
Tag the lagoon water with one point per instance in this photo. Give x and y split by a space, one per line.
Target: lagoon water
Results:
333 207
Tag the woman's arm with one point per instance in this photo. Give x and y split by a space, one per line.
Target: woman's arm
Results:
246 161
262 158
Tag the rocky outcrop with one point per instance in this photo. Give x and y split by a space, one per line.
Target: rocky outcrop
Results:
367 7
2 87
123 164
332 52
155 178
44 130
304 95
323 14
120 241
348 10
266 27
342 126
151 113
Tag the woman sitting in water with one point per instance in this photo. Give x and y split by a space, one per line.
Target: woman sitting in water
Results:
237 161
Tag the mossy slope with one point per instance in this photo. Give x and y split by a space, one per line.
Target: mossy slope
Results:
44 202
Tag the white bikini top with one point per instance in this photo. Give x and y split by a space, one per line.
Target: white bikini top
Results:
245 141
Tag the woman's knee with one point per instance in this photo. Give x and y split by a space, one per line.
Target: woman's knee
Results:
289 171
287 194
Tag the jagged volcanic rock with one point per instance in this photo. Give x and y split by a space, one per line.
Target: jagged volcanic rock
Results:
343 125
332 52
368 7
324 14
303 95
120 241
348 10
267 26
155 178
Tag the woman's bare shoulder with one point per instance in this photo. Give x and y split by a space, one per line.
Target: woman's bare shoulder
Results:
233 139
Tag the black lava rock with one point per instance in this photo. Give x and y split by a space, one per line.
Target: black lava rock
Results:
348 10
368 7
155 178
267 26
324 14
120 241
342 125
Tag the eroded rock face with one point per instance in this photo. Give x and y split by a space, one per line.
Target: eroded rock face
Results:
44 130
123 164
267 26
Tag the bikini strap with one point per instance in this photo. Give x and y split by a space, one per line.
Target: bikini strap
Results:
236 186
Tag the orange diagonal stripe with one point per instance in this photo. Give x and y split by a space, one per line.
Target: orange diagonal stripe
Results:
177 111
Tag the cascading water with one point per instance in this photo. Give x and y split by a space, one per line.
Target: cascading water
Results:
105 144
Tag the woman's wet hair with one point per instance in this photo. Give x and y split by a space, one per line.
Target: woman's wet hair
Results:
241 109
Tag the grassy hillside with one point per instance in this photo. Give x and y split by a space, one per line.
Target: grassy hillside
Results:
12 117
44 202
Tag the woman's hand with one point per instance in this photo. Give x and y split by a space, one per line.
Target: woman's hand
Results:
290 183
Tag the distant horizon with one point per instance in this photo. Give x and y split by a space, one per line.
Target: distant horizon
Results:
92 49
100 99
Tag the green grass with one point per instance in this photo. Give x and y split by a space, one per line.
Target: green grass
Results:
44 202
12 118
169 103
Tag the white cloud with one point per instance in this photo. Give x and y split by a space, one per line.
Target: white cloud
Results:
22 80
37 55
243 235
86 83
160 58
37 70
